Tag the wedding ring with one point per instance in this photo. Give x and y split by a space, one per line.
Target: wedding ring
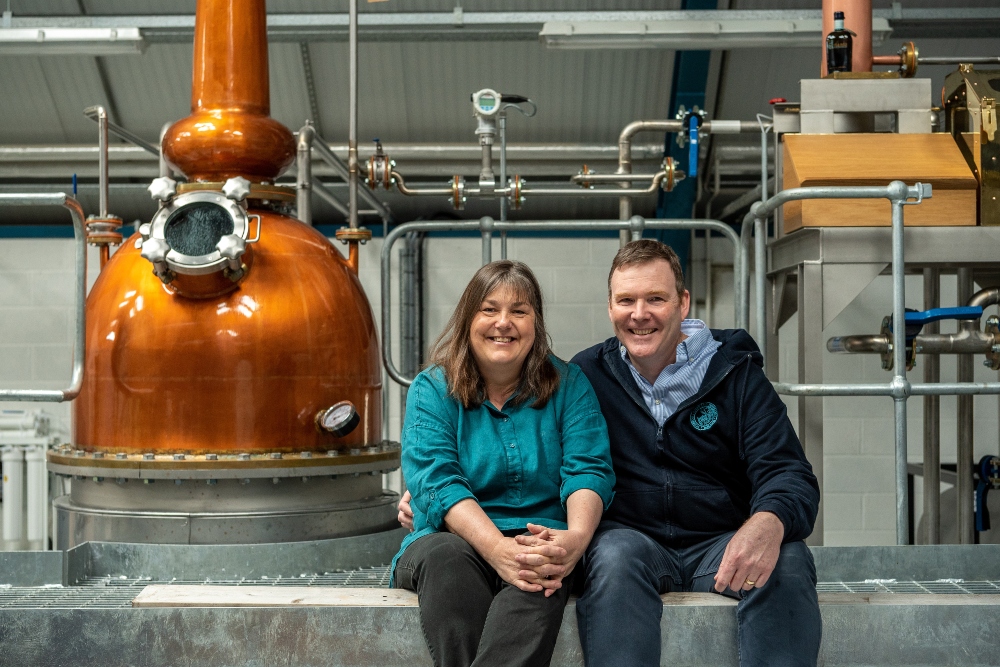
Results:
749 583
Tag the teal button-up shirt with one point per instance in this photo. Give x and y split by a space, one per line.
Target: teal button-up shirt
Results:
519 463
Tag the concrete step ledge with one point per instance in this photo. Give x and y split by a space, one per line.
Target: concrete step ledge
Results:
365 626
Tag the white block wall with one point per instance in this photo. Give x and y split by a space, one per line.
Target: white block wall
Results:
36 322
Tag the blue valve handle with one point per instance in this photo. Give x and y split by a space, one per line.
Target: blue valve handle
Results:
989 473
923 317
916 319
693 124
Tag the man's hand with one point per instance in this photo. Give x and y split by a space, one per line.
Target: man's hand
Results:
752 553
405 515
550 554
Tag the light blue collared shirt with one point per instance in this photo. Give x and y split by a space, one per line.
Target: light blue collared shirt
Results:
681 379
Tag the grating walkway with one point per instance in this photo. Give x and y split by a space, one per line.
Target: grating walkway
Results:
118 592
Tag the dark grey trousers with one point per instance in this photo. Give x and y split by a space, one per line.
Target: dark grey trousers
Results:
469 615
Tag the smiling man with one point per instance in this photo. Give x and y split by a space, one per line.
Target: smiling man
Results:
713 490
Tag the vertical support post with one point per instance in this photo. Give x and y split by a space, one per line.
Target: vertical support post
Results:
303 176
811 347
102 140
13 496
486 228
352 139
932 419
760 283
963 487
502 128
899 368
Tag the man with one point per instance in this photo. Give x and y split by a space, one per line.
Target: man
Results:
713 491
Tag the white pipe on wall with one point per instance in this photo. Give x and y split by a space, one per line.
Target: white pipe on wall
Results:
13 494
37 480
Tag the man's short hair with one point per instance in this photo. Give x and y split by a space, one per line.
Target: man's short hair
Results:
644 251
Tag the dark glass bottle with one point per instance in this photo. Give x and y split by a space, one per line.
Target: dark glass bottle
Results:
838 46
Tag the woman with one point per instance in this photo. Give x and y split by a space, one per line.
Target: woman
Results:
500 438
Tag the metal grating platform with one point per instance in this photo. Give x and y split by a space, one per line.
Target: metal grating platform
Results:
112 592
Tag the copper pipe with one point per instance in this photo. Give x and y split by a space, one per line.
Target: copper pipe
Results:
352 258
857 18
894 60
105 255
229 132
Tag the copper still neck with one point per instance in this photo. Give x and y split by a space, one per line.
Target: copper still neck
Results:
229 132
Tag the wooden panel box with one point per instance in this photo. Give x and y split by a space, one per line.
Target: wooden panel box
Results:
877 159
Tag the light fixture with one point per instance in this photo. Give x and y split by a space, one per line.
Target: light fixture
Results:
70 41
703 34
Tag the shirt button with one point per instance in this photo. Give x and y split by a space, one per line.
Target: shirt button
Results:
657 401
512 445
506 419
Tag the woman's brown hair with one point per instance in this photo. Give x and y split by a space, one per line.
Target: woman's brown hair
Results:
453 353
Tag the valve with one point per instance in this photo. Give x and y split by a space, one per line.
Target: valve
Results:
989 478
692 121
915 320
380 169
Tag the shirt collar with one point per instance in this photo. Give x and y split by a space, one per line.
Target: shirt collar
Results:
698 336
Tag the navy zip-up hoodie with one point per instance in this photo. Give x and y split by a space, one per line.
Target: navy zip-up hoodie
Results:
727 452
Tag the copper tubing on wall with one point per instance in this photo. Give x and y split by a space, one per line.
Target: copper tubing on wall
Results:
857 18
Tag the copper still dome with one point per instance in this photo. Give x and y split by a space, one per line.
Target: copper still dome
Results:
231 350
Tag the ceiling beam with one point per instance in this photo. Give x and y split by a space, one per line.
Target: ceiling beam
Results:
951 22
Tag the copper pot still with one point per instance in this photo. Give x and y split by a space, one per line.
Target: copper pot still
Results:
226 326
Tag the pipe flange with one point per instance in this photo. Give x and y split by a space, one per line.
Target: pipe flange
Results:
366 458
516 195
104 230
583 183
258 191
458 198
354 234
886 356
993 355
669 167
908 57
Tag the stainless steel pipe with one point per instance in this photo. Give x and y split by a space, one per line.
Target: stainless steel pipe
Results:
964 454
632 227
303 174
79 330
352 133
932 420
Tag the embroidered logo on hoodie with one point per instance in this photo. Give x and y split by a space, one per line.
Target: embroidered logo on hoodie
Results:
704 416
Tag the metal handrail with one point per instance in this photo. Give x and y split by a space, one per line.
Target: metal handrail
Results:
900 389
487 226
79 338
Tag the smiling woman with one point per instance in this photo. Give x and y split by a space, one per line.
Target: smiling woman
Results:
506 455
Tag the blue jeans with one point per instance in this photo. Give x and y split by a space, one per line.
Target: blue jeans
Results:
626 572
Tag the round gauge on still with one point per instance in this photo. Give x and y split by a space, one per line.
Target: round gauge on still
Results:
339 419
